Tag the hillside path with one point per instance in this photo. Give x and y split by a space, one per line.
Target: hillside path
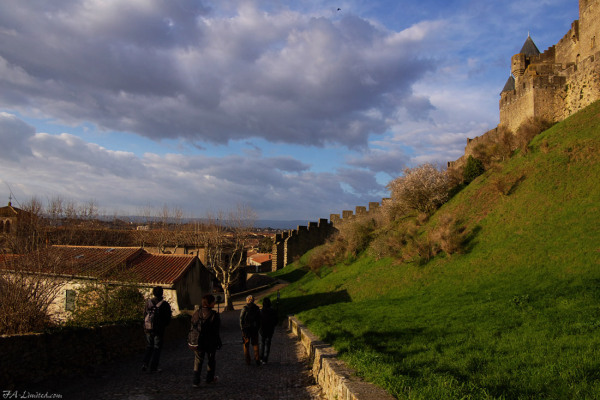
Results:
286 376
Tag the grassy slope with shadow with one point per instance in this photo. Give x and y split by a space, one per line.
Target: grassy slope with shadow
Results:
516 317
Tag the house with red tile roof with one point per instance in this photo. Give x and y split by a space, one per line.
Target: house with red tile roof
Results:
183 277
260 262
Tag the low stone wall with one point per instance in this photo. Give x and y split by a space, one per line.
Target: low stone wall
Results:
36 357
337 380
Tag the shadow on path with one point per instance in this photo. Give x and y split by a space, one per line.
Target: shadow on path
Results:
285 377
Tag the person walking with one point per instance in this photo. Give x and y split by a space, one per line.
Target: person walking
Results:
268 322
157 315
206 325
250 323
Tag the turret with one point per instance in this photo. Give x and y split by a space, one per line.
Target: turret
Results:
518 65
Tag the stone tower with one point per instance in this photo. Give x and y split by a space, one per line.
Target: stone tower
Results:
558 82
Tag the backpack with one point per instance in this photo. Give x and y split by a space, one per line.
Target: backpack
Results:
197 329
152 318
251 318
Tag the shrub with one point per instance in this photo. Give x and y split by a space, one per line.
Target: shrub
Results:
322 256
473 168
100 302
419 247
529 129
423 189
390 244
502 185
449 235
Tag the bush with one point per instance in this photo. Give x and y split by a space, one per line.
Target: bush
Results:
100 303
423 189
473 168
449 235
529 129
390 244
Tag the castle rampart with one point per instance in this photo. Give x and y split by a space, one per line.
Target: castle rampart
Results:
292 244
561 80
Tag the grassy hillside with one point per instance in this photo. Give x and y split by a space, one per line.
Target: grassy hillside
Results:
516 316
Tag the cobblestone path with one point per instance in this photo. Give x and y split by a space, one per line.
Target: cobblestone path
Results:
286 376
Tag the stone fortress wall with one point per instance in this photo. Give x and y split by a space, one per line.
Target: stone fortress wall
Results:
291 244
552 85
562 80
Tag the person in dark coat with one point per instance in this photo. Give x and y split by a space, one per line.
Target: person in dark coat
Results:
250 323
157 315
209 340
268 322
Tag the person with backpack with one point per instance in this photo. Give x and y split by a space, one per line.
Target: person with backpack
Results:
157 315
250 323
268 322
204 339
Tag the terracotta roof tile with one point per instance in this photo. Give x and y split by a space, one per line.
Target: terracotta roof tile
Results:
161 268
111 263
261 257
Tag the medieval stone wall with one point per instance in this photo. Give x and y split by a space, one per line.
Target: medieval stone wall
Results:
589 27
515 107
561 80
290 245
582 85
567 48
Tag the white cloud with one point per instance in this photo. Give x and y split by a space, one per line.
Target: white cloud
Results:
66 165
167 69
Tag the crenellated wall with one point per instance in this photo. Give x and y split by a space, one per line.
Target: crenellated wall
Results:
560 81
554 84
292 244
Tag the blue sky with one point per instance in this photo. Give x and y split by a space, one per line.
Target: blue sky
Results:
296 109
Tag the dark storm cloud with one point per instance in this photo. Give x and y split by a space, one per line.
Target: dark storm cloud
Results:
167 69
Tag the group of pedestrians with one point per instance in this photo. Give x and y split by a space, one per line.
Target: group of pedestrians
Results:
204 337
254 321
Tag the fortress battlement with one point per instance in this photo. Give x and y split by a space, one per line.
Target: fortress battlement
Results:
554 84
543 84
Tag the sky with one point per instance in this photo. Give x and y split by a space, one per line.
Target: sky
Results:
297 110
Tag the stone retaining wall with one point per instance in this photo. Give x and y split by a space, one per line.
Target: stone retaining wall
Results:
337 380
36 357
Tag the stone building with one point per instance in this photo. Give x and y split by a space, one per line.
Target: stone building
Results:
551 85
558 82
14 226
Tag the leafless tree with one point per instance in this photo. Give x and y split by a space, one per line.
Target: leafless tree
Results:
225 241
27 283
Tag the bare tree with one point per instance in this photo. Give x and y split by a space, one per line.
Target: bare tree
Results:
225 241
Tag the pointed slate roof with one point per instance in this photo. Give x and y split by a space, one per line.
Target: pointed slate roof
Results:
509 85
529 48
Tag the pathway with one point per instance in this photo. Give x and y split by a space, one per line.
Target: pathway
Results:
286 376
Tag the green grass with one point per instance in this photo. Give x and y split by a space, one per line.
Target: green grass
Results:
516 317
